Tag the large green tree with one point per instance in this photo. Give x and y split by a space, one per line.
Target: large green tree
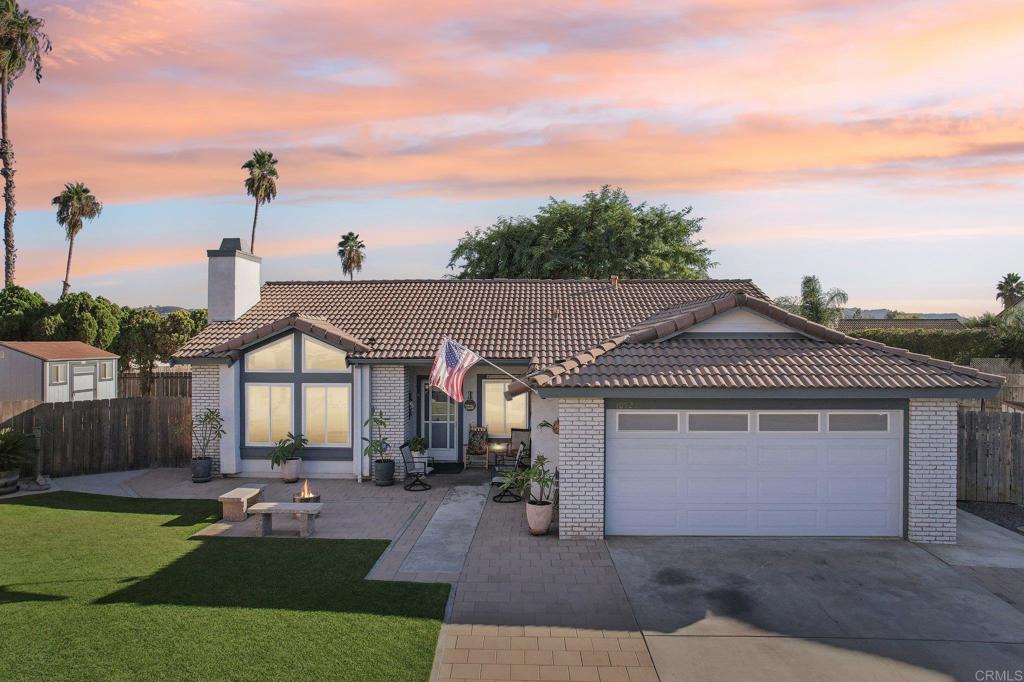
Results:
351 251
95 321
20 309
814 303
74 205
261 184
22 45
1010 289
603 235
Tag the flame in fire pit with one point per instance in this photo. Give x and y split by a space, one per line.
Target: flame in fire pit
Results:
306 490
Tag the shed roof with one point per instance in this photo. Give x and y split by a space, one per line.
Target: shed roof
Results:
59 350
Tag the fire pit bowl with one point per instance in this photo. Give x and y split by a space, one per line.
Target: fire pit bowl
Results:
307 494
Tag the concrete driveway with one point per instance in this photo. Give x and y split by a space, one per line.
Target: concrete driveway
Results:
773 609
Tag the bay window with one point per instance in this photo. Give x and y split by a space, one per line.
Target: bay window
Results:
327 414
500 415
268 413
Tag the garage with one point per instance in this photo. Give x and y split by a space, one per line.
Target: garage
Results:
754 472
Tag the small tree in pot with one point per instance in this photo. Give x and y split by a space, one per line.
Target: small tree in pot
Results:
286 455
207 429
15 451
377 449
538 483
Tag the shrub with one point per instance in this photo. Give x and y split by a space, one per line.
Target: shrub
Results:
957 346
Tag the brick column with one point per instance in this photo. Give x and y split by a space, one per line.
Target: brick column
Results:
581 468
389 389
931 483
206 396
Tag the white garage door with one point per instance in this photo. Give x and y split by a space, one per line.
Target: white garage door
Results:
678 472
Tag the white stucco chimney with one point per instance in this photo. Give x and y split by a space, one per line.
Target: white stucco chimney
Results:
233 284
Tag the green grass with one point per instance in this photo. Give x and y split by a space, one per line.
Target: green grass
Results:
107 588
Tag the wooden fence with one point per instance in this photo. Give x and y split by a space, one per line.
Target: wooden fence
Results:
94 436
164 385
990 456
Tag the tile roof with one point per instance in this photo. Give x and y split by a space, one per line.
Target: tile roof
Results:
538 321
58 350
652 354
857 324
317 328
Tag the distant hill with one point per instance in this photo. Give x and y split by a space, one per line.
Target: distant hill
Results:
883 313
165 309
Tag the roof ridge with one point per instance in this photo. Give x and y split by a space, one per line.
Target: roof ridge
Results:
483 280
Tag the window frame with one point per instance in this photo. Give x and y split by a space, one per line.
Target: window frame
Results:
302 403
248 411
746 414
101 365
483 407
620 413
62 379
306 370
290 338
817 416
860 433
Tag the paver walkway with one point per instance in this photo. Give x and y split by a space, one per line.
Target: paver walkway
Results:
539 608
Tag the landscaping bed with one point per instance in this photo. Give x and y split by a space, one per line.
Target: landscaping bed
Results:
105 588
1005 514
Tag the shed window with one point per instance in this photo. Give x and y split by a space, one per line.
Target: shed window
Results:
725 421
858 421
106 370
268 413
787 421
273 357
58 374
327 414
317 356
648 421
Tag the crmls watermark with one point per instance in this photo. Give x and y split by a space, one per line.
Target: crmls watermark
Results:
999 675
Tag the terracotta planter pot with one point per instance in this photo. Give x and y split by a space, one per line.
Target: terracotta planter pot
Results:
290 469
538 517
9 481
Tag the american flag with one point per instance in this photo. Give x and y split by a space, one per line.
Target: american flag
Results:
451 363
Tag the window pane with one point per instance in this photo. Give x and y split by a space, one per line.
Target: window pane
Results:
787 422
280 412
338 416
858 422
515 410
274 357
257 412
648 422
494 409
315 415
319 357
718 422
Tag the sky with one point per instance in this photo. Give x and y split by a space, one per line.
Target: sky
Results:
878 145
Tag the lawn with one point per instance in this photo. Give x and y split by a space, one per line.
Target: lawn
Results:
108 588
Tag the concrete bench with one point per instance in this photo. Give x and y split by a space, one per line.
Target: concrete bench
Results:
237 502
306 511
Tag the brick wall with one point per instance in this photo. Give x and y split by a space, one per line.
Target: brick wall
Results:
205 396
581 468
389 388
931 481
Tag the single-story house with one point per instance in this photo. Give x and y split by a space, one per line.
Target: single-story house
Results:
684 407
945 323
56 371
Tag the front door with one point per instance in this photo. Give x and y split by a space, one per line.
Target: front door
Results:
438 423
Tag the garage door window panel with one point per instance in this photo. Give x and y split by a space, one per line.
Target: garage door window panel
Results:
861 422
718 422
648 422
787 422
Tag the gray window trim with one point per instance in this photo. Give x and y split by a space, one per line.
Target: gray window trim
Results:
99 370
64 373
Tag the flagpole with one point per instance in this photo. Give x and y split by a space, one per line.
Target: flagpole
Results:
513 378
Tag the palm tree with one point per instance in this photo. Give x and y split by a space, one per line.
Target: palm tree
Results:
22 43
1010 289
351 252
75 204
261 184
823 307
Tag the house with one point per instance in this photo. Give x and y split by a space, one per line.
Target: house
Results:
946 323
684 407
56 371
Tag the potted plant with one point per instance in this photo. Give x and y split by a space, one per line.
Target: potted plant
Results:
538 484
418 445
14 453
207 430
286 455
377 449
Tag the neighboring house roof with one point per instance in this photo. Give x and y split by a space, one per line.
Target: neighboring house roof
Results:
860 323
537 321
319 329
655 353
58 350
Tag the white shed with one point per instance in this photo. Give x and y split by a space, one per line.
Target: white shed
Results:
56 371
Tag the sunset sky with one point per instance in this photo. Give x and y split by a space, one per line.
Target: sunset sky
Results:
879 145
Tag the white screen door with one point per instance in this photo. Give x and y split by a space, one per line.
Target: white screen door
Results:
438 423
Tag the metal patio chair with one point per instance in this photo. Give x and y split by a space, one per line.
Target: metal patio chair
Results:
508 496
416 468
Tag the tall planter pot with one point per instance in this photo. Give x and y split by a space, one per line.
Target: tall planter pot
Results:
384 472
202 469
539 516
291 469
9 481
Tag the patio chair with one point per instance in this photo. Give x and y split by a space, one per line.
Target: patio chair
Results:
418 469
507 496
476 448
518 437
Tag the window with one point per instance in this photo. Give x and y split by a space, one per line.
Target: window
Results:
268 413
500 415
792 421
106 370
58 374
858 421
317 356
273 357
726 421
648 421
327 414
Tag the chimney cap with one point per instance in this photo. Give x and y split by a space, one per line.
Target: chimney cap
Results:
232 247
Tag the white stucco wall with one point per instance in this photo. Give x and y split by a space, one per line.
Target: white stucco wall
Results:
543 441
